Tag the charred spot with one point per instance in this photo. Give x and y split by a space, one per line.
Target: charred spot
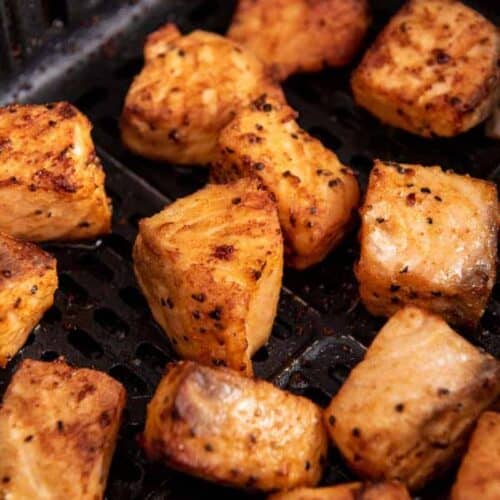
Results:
425 190
256 274
404 270
260 104
438 198
429 220
228 150
28 438
357 458
173 136
380 220
104 419
331 420
394 300
5 479
181 53
52 123
218 362
441 56
293 220
34 289
356 432
307 465
243 367
6 273
413 295
60 425
394 288
411 199
436 294
85 391
399 407
443 391
223 252
455 101
17 303
66 111
440 445
84 224
251 482
323 171
253 138
259 166
334 182
196 314
185 338
199 297
252 438
259 127
61 183
9 182
236 201
216 314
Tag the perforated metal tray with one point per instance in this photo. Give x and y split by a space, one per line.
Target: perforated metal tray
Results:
101 320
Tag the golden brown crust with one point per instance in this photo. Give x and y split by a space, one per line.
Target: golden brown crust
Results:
406 410
315 194
28 280
189 89
58 428
351 491
428 238
51 182
233 430
210 266
290 36
479 474
433 70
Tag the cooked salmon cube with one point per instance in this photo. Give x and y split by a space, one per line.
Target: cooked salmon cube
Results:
479 474
433 70
316 195
221 426
190 87
210 266
350 491
428 238
28 281
290 36
58 429
51 181
405 412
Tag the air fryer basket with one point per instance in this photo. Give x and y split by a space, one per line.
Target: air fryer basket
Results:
89 55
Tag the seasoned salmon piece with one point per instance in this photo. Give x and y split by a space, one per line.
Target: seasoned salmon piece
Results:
300 35
428 238
349 491
433 70
210 266
58 428
28 280
479 474
316 195
405 412
221 426
51 181
189 89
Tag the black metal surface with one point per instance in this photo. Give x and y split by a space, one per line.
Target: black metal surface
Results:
100 318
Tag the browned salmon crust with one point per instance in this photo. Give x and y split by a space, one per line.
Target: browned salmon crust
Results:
479 474
58 428
428 238
28 280
216 424
51 181
210 266
316 195
433 70
189 89
406 411
291 36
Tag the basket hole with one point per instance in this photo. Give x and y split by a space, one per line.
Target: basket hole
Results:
49 355
326 137
108 124
134 384
152 356
361 162
261 355
97 268
317 395
82 341
120 245
92 97
338 372
74 293
135 218
129 69
282 331
125 470
133 298
117 199
203 11
53 315
111 322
